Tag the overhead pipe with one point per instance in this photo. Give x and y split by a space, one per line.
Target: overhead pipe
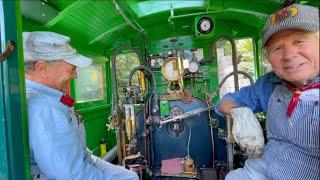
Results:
136 27
139 28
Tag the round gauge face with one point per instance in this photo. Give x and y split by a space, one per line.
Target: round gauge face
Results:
170 70
152 62
205 25
160 61
193 67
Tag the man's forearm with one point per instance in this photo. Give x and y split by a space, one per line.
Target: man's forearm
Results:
226 106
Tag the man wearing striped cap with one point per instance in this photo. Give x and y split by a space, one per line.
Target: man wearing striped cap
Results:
290 97
57 139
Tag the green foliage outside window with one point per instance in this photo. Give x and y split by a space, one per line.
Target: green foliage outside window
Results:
124 64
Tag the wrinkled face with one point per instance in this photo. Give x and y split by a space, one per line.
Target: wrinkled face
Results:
59 75
294 55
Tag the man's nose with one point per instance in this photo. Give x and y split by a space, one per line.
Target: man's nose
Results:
289 51
75 74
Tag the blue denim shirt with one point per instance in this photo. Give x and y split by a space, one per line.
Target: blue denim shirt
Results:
56 150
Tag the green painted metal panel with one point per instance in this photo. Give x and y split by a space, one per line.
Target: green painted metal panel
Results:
3 146
95 113
13 89
159 19
60 4
77 20
29 25
96 129
164 108
4 174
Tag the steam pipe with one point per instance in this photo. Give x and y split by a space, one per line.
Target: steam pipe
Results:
234 57
111 154
147 70
212 142
115 100
114 72
150 145
230 142
146 147
230 74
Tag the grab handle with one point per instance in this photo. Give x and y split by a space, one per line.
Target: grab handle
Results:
8 51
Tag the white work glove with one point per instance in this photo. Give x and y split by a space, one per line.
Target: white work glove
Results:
247 131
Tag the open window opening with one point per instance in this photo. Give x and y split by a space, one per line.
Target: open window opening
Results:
245 63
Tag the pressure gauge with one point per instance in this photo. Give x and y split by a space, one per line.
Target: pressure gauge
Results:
193 67
160 61
205 25
170 69
152 62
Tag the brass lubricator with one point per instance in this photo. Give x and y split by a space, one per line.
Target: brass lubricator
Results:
180 71
142 78
130 121
189 166
133 121
127 121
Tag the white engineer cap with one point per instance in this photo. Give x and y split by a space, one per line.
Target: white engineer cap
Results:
50 46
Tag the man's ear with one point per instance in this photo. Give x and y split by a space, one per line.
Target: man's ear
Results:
40 66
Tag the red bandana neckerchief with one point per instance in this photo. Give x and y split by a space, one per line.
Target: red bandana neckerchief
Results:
67 100
296 94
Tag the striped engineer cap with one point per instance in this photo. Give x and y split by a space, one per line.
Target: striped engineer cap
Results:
295 16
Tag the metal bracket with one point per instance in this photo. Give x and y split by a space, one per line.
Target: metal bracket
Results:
8 51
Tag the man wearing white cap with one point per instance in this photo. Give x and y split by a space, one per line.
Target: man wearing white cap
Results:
290 96
56 134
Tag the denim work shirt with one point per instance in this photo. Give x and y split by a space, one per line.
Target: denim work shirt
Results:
57 145
293 150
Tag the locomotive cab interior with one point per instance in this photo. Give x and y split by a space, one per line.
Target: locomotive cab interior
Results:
158 69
